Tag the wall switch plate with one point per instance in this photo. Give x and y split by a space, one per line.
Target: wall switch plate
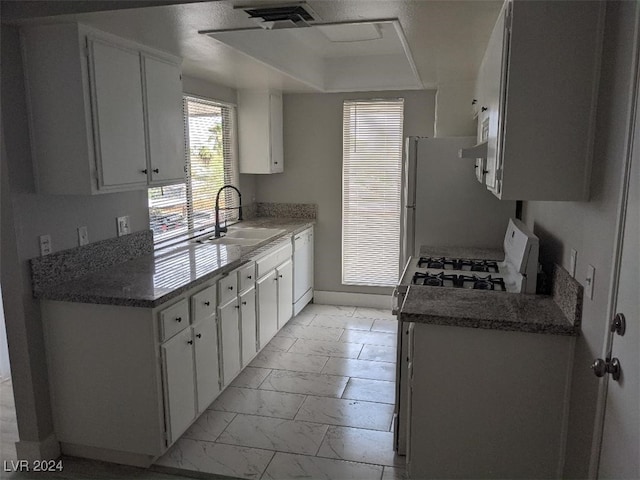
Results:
591 275
45 245
123 225
83 236
572 263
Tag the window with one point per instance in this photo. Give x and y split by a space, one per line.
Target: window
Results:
371 183
210 163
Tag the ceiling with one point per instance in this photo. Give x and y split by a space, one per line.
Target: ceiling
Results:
446 39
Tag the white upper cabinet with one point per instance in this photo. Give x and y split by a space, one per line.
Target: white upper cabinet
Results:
118 114
538 83
165 123
260 133
105 113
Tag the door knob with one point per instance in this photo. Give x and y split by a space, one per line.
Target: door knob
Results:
619 324
601 367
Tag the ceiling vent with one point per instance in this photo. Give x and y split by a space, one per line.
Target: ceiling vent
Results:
282 16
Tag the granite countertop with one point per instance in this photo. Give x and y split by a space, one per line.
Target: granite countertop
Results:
485 309
152 279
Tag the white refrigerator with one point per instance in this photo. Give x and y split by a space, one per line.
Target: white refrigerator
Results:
443 204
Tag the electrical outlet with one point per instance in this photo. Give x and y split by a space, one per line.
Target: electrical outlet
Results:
45 244
572 263
83 236
591 275
123 225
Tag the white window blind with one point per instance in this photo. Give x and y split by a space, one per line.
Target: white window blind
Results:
210 163
371 184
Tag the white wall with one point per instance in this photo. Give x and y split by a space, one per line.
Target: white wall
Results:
313 168
589 227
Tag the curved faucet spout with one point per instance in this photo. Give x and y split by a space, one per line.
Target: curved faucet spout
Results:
218 228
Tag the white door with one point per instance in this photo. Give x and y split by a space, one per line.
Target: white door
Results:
116 87
178 373
165 122
205 340
620 449
285 293
230 340
248 323
267 292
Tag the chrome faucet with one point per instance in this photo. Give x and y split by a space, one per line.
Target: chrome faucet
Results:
218 228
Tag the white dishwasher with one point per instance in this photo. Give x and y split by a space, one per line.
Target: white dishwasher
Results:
302 269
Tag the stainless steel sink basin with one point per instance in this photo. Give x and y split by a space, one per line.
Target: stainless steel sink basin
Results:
232 241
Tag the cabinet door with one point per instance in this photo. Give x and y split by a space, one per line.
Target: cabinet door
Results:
179 388
230 340
303 264
248 324
495 65
118 115
165 124
267 294
276 133
285 293
205 338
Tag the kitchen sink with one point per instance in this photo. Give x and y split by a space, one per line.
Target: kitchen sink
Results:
253 233
243 236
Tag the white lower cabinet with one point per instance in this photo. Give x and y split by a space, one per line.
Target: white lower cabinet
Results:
178 376
248 325
137 378
205 343
230 340
267 298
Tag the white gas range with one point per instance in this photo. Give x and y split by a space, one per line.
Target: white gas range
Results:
516 273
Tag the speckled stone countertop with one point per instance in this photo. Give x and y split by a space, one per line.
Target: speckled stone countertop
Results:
152 279
485 309
462 252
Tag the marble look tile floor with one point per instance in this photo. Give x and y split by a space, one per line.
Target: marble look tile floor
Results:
317 403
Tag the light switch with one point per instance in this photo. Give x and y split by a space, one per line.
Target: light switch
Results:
123 225
591 275
83 236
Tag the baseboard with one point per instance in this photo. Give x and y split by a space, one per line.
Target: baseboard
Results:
47 449
107 455
352 299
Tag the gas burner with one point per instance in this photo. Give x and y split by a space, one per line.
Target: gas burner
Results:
430 262
482 283
434 280
487 266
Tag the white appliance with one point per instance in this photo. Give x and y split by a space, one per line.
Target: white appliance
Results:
517 273
442 203
303 270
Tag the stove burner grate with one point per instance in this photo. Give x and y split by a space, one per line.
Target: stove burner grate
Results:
482 283
434 280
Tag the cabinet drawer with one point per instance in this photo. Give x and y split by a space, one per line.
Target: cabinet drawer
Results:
247 276
173 319
228 288
203 304
272 260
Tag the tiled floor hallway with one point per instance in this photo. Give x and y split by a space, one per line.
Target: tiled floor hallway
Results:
317 403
